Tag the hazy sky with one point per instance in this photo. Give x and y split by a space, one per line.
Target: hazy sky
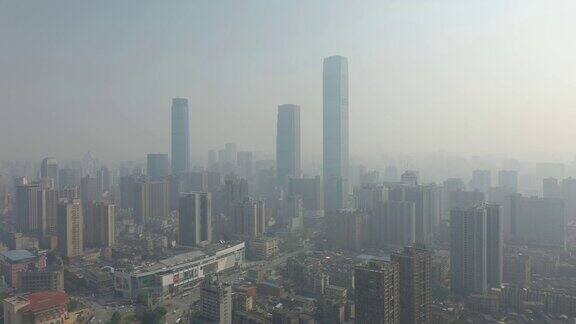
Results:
482 76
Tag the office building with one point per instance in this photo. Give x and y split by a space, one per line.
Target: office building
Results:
377 292
195 218
180 139
414 269
70 228
30 208
216 301
157 166
335 132
152 200
49 170
288 144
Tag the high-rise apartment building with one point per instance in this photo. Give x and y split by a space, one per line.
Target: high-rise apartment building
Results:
427 200
347 229
216 301
393 222
103 181
249 218
99 226
410 178
475 249
180 139
50 217
128 185
335 96
415 269
568 190
288 144
88 189
195 218
70 228
537 221
368 196
69 177
310 189
551 188
481 180
245 164
157 166
508 179
377 298
494 245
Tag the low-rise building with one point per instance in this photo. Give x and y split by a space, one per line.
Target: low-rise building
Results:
263 248
50 279
169 275
42 307
14 261
99 281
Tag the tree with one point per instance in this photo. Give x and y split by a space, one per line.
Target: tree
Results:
116 318
155 316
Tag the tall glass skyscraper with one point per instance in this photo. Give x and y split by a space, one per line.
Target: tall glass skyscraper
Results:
335 132
180 136
288 154
157 166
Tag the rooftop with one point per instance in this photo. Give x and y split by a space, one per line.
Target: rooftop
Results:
45 300
18 255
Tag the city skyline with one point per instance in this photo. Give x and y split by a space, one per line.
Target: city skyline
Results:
325 162
521 82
